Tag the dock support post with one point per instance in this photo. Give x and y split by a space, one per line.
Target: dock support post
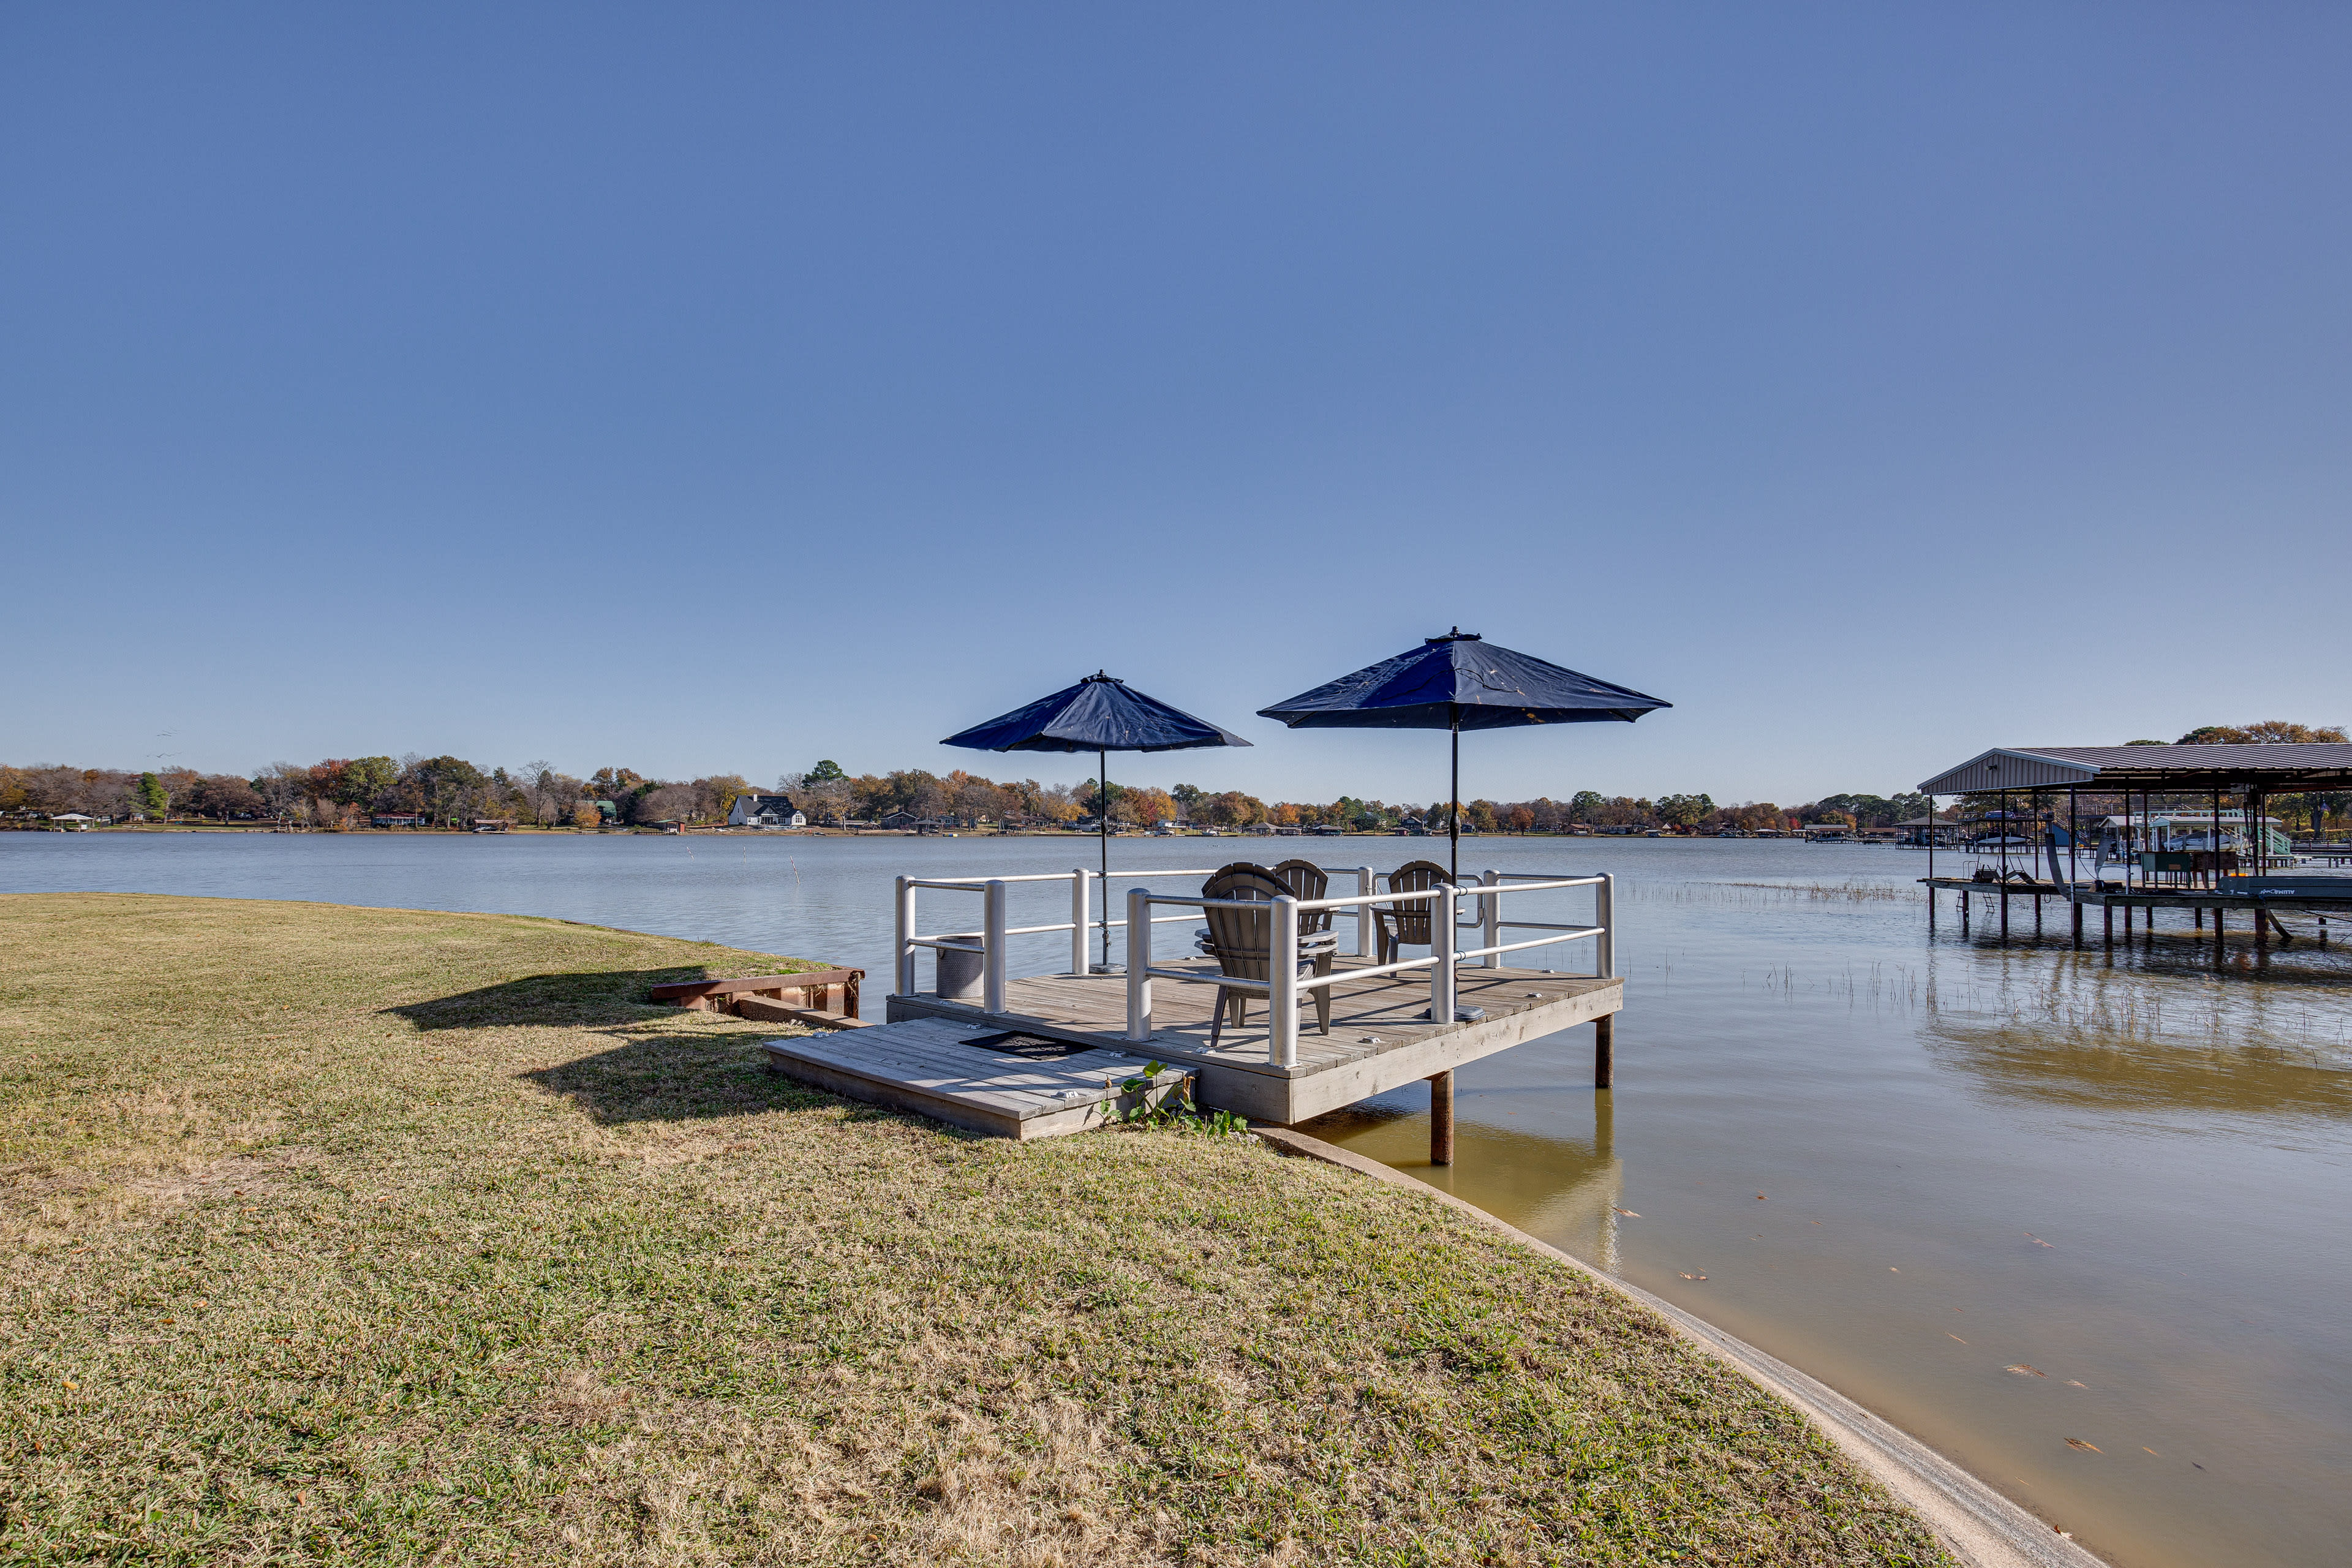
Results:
2037 916
1605 915
1442 916
1441 1118
1082 914
1964 911
1365 923
1604 1051
906 965
1282 978
992 958
2077 902
2262 928
2004 912
1138 962
1491 908
2108 919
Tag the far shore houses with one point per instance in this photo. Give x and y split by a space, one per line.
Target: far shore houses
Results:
765 811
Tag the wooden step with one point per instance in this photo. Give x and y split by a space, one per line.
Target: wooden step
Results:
932 1067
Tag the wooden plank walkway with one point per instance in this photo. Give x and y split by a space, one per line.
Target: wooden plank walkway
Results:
956 1073
1380 1038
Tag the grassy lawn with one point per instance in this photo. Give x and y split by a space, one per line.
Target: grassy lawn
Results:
393 1237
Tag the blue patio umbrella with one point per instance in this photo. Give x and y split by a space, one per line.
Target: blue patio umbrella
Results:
1456 682
1101 714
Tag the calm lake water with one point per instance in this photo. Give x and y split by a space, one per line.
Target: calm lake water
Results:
1906 1160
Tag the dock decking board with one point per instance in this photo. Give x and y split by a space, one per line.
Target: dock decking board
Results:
926 1065
1379 1037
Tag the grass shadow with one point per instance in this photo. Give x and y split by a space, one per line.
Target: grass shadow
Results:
587 1000
677 1078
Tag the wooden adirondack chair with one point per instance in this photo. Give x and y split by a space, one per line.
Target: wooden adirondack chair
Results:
1407 923
1242 941
1306 880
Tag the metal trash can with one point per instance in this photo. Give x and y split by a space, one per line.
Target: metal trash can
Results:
960 975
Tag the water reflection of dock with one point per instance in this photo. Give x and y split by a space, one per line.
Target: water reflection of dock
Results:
1568 1191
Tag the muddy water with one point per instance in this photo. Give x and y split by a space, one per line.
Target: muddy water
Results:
2006 1195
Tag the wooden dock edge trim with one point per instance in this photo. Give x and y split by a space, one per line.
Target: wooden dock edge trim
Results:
1976 1524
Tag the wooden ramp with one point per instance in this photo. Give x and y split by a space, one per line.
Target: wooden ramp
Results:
1381 1035
973 1076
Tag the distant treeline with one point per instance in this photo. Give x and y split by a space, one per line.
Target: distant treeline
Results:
342 793
450 792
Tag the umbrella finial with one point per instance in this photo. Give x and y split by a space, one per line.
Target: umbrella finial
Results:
1456 635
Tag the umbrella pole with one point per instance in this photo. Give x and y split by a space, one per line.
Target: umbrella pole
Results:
1454 818
1102 834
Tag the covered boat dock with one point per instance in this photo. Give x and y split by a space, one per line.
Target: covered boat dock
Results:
2140 787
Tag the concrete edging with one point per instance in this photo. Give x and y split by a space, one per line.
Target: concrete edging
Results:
1977 1524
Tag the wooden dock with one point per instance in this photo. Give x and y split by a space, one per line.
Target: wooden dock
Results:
1381 1035
973 1076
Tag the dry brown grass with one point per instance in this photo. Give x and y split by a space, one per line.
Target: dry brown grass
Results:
390 1236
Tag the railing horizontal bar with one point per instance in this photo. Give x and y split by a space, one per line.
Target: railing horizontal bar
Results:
1516 946
1542 925
977 882
958 944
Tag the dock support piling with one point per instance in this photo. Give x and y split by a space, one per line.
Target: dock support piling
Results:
2108 920
2037 916
1365 887
2077 903
1604 1051
2004 912
1441 1118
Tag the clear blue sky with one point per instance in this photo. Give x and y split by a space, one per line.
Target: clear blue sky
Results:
717 388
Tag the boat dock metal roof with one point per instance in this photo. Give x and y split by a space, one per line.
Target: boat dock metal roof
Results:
2285 767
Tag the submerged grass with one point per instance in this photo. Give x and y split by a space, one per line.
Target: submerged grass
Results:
389 1237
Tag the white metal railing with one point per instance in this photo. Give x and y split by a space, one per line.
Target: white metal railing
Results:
1284 985
993 941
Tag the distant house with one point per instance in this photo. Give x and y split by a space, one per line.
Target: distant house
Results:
396 819
493 824
900 820
765 811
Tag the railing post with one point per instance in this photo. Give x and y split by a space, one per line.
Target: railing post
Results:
1365 922
1605 915
992 959
1493 906
1081 915
1138 964
1441 949
1282 980
906 985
